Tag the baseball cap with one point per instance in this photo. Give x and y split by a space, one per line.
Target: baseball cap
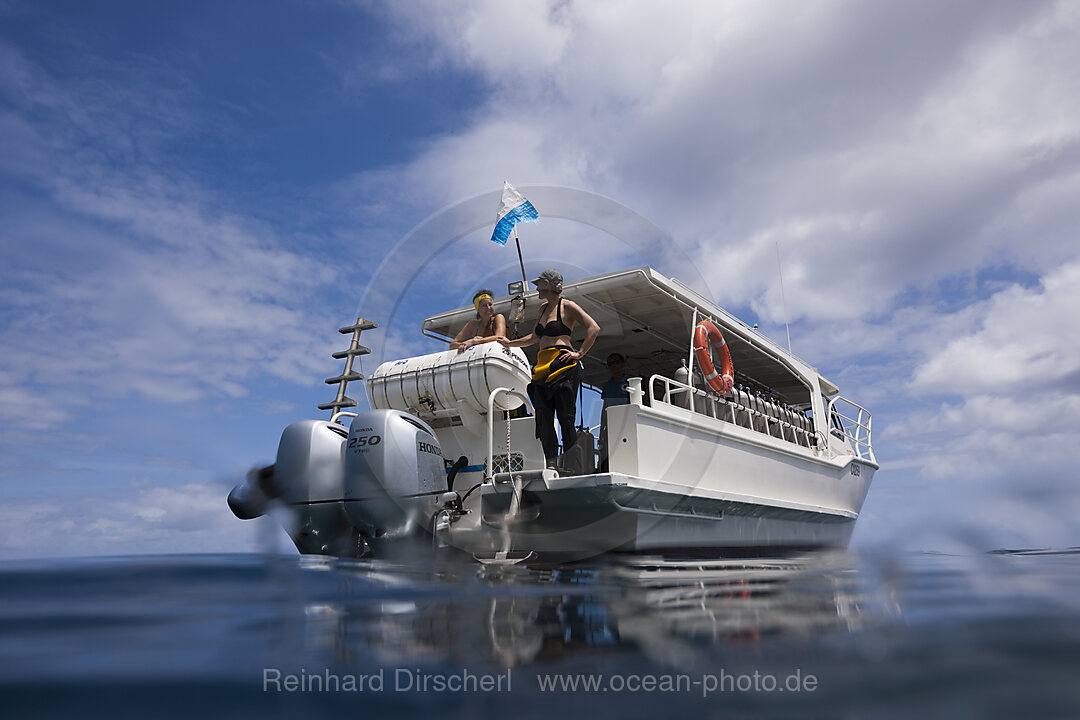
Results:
554 277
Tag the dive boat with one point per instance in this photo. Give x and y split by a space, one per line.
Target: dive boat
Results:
759 456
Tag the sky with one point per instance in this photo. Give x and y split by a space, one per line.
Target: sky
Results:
195 196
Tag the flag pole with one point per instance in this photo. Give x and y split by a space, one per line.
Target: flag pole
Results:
524 279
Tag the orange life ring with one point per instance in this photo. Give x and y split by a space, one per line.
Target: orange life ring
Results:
706 339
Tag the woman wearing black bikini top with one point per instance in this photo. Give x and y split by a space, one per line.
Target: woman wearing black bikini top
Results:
557 373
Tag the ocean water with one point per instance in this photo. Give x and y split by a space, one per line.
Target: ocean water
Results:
839 634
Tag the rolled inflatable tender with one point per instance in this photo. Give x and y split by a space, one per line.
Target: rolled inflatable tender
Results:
441 380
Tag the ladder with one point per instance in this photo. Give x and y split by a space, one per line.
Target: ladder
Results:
347 375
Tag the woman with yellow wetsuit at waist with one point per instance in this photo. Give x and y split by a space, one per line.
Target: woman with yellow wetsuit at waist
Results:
557 373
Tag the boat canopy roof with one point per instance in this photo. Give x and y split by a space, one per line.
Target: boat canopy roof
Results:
649 319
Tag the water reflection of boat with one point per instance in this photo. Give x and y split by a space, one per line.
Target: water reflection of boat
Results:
673 611
762 453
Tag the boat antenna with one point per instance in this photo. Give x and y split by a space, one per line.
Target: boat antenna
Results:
783 297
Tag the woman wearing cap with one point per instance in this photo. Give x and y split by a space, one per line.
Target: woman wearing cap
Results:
557 373
487 326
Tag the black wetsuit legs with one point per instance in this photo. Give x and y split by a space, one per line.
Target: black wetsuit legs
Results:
558 398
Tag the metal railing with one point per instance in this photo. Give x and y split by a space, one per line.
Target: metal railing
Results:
755 414
489 468
340 414
855 430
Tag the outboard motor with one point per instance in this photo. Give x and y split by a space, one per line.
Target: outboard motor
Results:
395 476
308 480
385 477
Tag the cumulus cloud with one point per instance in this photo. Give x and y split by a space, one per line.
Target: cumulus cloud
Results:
1028 342
881 146
1003 398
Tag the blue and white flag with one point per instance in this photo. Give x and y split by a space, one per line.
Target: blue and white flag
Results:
513 209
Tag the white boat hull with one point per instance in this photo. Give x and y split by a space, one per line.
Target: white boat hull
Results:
679 481
699 456
583 516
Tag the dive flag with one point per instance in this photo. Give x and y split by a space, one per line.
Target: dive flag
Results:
513 209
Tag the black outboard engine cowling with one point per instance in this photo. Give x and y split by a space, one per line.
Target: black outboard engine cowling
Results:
394 473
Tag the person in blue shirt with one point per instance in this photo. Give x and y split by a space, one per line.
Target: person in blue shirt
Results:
613 392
